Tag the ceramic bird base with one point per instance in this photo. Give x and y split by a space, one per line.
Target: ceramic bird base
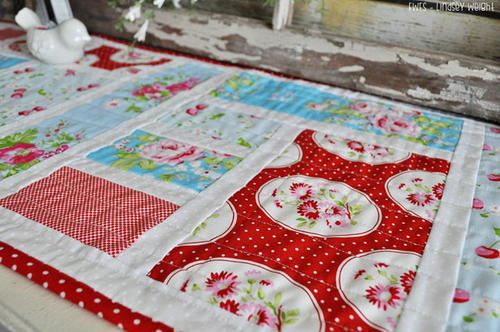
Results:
63 44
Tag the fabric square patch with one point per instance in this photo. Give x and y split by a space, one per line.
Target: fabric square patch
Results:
379 118
314 242
246 130
166 160
37 87
92 210
6 62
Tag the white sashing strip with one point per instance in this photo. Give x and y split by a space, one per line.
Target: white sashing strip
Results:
430 300
158 242
164 190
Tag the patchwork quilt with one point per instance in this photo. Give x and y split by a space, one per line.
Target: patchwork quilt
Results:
163 192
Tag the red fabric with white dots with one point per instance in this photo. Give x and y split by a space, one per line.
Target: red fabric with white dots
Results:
76 292
313 261
92 210
104 53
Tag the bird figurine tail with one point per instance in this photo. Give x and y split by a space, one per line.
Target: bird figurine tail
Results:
27 19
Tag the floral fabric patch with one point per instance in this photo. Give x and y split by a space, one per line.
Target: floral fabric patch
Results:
477 301
248 131
327 229
166 160
37 87
382 119
24 149
92 210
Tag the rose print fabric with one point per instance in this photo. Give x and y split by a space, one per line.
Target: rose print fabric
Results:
382 119
248 131
477 302
57 134
69 201
289 242
24 91
166 160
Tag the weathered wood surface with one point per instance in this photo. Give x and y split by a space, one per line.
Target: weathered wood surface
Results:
396 24
447 82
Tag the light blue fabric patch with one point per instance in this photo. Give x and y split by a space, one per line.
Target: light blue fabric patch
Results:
36 87
166 160
368 116
477 301
6 62
224 124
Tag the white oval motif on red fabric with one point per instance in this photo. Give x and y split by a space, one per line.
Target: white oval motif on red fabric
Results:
376 285
417 192
214 227
258 294
318 207
291 155
357 151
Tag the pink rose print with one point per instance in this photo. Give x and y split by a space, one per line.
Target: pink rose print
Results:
487 252
260 315
487 147
395 125
495 130
222 284
70 72
18 93
187 85
20 153
493 177
461 295
356 146
368 107
477 204
384 296
165 152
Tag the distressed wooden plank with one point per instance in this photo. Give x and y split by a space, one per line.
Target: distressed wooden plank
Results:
448 82
394 24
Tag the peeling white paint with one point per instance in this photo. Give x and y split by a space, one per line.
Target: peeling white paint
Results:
362 79
455 91
451 68
350 69
325 58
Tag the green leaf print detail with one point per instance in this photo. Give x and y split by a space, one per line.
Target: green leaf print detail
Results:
22 137
167 177
260 294
147 164
441 124
277 299
497 231
147 138
468 319
216 116
42 92
127 155
230 163
232 83
134 108
422 120
244 143
124 164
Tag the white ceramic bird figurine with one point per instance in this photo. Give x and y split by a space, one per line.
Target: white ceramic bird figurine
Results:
61 45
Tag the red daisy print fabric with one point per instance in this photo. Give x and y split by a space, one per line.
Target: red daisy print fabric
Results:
321 239
92 210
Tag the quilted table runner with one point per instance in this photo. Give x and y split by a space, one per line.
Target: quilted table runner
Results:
163 192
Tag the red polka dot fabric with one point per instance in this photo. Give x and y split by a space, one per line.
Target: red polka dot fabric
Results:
324 230
94 211
76 292
105 61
